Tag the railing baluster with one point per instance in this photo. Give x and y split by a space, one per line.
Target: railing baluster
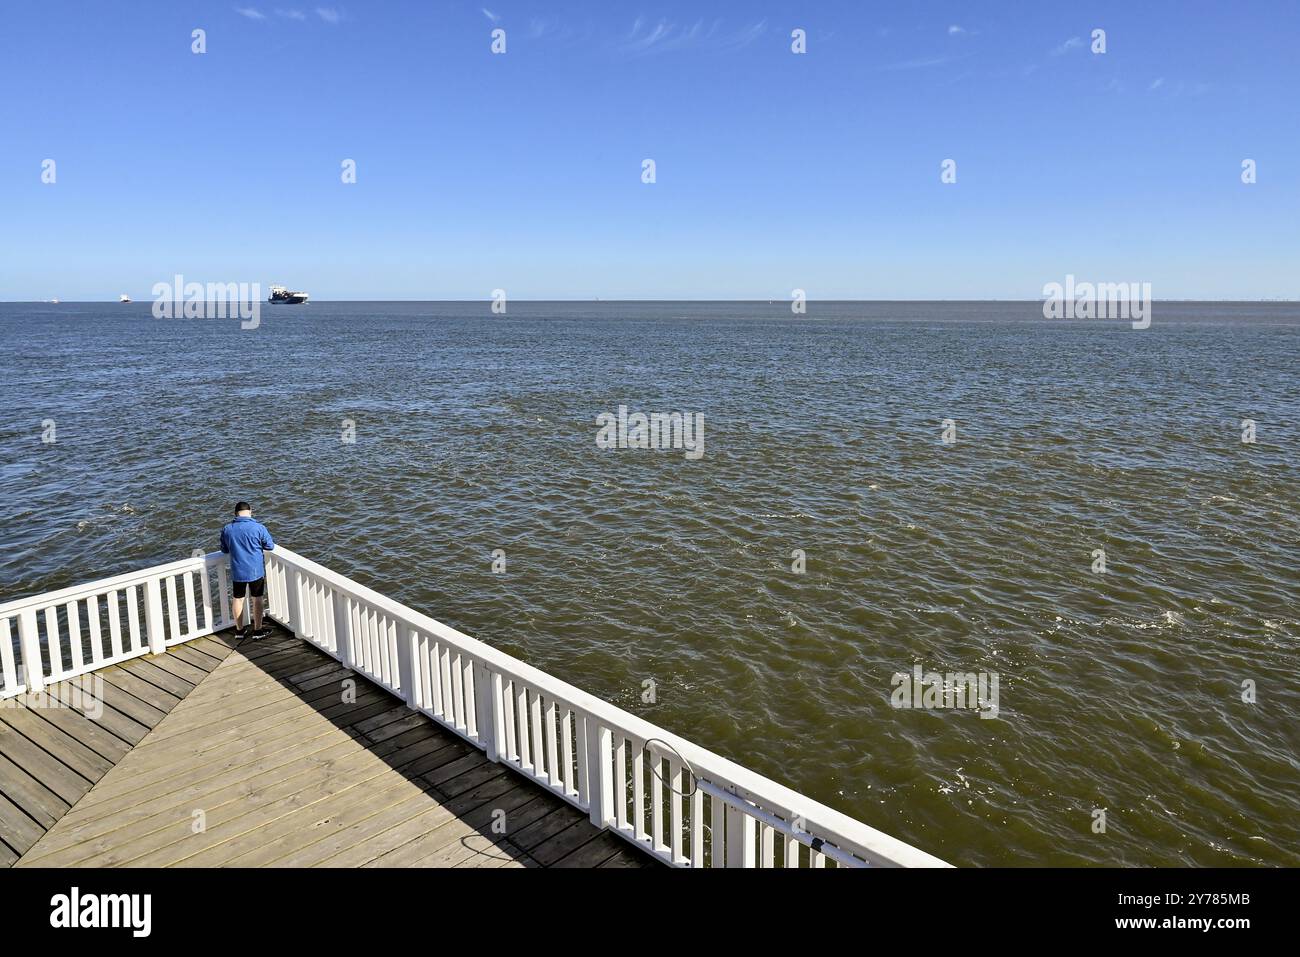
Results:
7 662
320 608
133 618
740 838
114 626
205 589
697 823
343 627
320 618
223 599
656 802
457 691
552 758
535 719
30 641
767 846
360 646
74 635
435 679
92 622
380 624
521 716
499 736
153 617
405 671
424 650
173 612
378 653
620 783
638 794
508 706
310 622
360 636
717 833
581 752
336 623
293 601
53 646
566 751
191 622
471 697
675 790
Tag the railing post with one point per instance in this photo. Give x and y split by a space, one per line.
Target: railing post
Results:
294 589
30 641
153 617
741 833
405 662
343 627
600 783
487 691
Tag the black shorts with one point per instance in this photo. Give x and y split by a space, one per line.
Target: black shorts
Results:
257 589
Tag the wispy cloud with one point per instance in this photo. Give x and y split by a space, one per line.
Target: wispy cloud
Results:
251 13
291 14
1156 84
1074 43
748 35
955 29
664 35
329 14
924 62
642 42
490 15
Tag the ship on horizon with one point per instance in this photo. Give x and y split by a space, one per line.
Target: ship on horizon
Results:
124 298
281 294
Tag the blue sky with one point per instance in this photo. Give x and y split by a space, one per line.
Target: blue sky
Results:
774 170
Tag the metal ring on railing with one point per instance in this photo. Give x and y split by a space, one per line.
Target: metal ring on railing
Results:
695 778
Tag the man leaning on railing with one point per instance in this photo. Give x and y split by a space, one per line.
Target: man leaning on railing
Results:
244 540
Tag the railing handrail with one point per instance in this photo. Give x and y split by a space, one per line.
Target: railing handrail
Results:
116 583
862 838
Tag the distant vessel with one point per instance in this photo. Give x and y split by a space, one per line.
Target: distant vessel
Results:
124 298
55 301
281 294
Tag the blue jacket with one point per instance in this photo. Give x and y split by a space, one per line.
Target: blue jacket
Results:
243 540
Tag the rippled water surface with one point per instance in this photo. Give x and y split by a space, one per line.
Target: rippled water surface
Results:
1120 691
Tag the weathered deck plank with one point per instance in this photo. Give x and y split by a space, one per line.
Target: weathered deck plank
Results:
55 746
254 756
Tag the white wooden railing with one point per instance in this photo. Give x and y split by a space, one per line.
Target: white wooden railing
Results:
679 802
73 631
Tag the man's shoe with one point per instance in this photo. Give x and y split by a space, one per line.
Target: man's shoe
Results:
242 632
260 633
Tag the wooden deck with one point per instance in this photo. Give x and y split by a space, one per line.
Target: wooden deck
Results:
229 753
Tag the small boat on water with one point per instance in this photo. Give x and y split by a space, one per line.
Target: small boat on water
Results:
124 298
281 294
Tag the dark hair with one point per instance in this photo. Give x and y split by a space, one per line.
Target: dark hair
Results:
242 507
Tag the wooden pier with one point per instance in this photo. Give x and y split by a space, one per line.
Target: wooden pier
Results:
223 752
136 730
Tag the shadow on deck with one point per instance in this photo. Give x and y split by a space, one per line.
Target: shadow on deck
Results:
230 753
